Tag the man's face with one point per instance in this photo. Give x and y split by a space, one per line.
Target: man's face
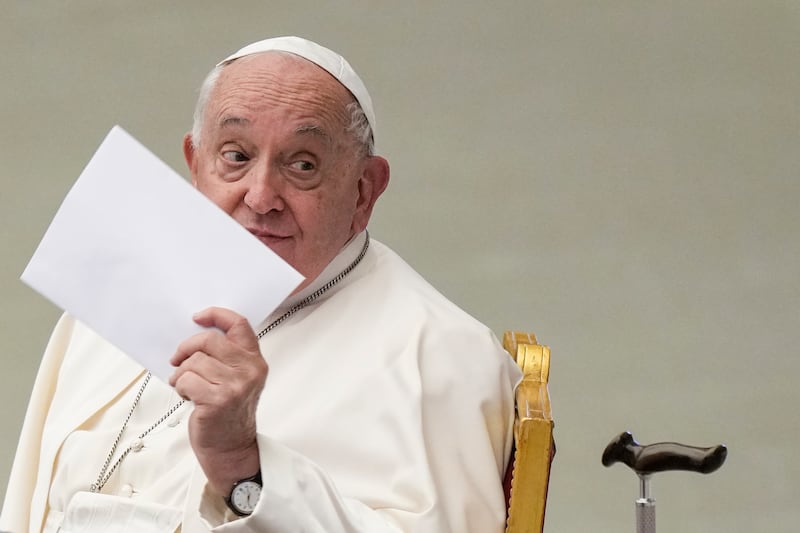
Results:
274 154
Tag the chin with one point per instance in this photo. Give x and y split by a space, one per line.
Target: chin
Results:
281 246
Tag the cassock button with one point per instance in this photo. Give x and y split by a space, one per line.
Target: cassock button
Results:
126 491
137 445
174 422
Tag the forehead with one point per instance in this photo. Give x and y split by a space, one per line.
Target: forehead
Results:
267 82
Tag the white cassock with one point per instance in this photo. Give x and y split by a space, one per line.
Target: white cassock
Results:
386 408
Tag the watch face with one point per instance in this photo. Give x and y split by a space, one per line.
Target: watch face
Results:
244 496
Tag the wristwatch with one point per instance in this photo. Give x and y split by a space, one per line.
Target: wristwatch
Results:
244 495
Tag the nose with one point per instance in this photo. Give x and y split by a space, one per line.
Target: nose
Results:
264 191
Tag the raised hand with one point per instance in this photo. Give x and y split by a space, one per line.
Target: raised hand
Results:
223 372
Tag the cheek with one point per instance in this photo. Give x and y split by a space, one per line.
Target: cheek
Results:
225 195
315 215
307 209
337 210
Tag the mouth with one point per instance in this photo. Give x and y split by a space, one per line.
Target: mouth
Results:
267 237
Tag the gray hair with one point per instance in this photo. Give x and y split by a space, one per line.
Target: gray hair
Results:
202 102
358 126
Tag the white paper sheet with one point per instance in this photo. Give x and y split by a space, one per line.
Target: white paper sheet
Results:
134 251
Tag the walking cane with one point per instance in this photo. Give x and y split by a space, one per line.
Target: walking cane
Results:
659 457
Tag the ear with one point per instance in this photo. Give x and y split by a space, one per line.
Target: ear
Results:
374 180
190 155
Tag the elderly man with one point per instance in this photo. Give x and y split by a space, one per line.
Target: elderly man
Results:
386 408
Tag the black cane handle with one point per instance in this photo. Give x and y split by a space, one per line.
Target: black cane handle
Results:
663 456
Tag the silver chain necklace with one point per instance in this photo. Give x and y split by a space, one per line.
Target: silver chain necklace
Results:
105 472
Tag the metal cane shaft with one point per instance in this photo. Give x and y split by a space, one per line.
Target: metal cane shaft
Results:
645 516
645 507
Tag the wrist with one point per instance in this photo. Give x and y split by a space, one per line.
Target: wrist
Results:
224 470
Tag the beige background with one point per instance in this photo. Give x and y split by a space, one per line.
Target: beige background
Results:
620 177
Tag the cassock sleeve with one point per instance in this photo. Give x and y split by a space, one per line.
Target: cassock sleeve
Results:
23 499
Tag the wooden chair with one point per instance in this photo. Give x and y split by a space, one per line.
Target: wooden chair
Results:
528 473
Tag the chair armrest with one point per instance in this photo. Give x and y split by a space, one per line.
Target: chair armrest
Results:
533 436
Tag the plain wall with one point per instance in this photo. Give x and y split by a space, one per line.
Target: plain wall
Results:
622 178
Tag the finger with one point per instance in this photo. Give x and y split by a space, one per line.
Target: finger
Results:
205 381
235 326
209 342
205 366
191 386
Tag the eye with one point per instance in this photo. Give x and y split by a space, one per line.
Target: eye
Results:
303 166
234 156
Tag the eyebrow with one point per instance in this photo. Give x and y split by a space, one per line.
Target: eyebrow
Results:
317 131
231 120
